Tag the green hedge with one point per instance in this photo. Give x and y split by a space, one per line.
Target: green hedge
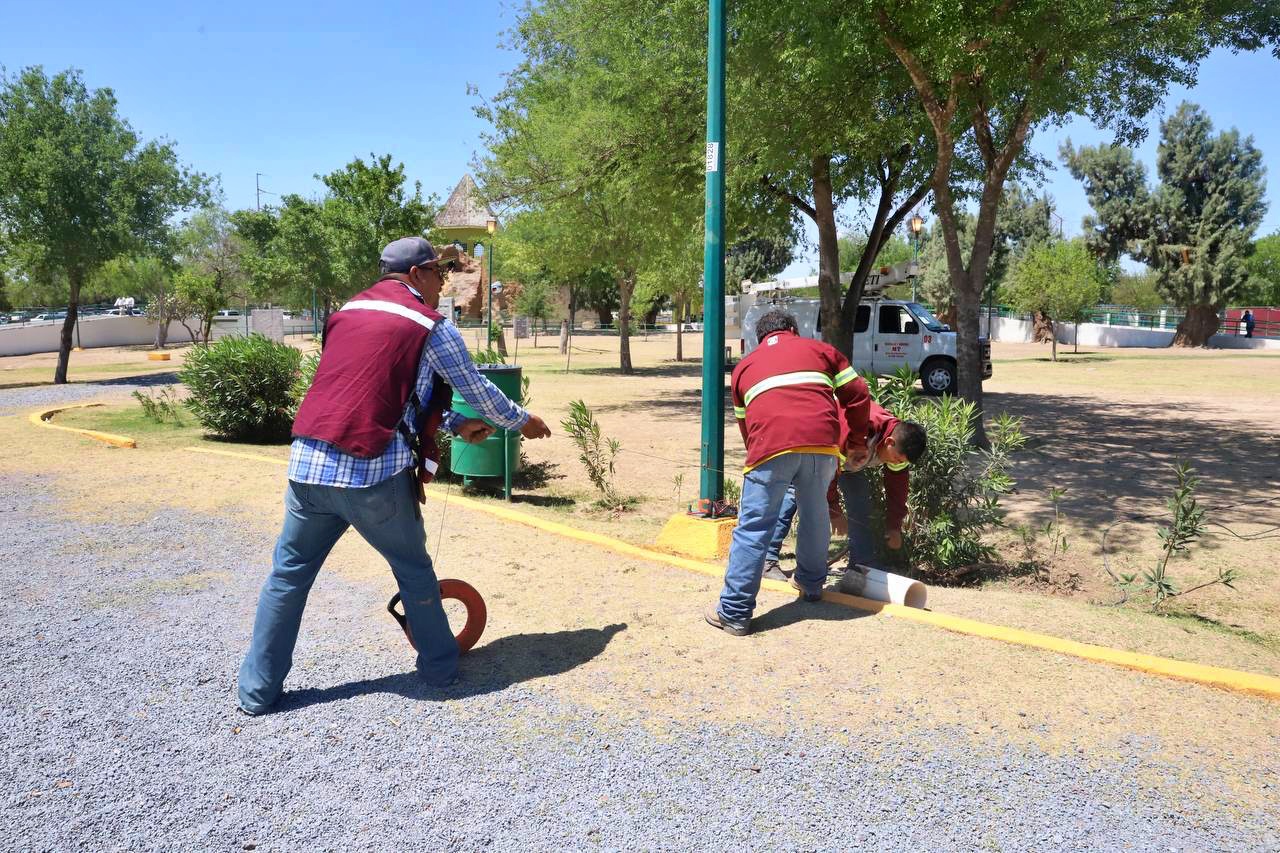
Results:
243 388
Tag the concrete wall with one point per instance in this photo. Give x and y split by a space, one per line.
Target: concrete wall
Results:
94 332
1011 330
102 331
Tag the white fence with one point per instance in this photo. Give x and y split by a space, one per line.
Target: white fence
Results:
1011 330
111 331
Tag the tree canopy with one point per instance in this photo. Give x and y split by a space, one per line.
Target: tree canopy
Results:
1194 228
78 187
1061 280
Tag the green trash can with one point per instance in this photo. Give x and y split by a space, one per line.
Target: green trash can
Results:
499 454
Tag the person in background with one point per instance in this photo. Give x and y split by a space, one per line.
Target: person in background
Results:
1248 321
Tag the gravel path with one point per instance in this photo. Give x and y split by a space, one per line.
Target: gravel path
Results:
118 730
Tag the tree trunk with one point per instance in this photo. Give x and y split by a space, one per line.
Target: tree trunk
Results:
626 284
501 339
679 331
1200 324
605 315
1054 344
76 279
564 336
824 217
947 316
1042 331
968 352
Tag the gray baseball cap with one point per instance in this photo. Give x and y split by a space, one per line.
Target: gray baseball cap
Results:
400 255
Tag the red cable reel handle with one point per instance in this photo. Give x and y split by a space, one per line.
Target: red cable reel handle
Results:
477 613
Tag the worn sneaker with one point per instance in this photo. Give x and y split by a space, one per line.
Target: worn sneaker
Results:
804 593
773 571
729 626
853 581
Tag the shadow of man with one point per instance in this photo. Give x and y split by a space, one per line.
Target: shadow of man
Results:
487 669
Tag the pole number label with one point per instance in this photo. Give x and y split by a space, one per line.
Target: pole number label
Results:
713 156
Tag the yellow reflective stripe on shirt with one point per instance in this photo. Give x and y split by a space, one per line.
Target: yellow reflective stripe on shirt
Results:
897 466
846 376
739 412
803 377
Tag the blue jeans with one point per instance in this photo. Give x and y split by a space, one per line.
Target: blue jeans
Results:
763 490
786 513
387 517
856 490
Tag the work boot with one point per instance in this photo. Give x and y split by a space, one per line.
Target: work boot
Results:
853 581
804 593
729 626
773 571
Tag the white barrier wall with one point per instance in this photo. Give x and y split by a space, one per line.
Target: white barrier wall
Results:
1012 330
94 332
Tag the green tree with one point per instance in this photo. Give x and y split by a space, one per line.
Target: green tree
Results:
78 187
151 279
755 259
1061 280
1195 228
986 74
586 136
212 273
839 124
1136 290
329 248
534 301
1264 272
895 250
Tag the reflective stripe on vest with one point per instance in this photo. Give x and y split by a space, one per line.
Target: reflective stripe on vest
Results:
390 308
803 377
846 376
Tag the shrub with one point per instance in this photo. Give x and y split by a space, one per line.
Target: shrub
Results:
306 375
956 488
242 387
162 407
596 452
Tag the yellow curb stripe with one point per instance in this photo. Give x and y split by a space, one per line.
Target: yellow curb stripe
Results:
41 419
1230 679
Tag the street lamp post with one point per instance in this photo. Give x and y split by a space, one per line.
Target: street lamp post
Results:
491 226
917 225
711 487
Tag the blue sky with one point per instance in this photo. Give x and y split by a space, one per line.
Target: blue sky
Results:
291 89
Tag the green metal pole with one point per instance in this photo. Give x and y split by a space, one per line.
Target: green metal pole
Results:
488 335
711 487
315 316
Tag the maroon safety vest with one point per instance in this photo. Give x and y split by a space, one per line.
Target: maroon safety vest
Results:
368 370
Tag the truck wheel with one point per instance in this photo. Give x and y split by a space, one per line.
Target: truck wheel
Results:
938 377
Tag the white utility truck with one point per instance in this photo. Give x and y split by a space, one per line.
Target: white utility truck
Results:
887 333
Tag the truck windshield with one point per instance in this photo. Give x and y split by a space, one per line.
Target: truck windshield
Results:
925 316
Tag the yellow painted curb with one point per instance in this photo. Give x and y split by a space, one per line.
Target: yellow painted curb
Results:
703 538
1230 679
157 356
41 419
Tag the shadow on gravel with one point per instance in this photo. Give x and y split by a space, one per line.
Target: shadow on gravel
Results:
803 611
148 379
487 669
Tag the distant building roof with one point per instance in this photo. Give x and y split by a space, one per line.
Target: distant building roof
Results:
465 208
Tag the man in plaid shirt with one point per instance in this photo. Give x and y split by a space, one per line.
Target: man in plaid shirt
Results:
330 489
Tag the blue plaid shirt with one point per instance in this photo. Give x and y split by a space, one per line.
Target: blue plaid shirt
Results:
320 463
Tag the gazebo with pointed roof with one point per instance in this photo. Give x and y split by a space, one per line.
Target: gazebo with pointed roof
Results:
465 217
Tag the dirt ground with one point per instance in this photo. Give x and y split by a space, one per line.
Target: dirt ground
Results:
658 662
1106 425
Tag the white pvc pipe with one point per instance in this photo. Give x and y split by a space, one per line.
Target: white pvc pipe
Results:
884 586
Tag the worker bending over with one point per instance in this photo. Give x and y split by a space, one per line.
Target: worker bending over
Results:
791 396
